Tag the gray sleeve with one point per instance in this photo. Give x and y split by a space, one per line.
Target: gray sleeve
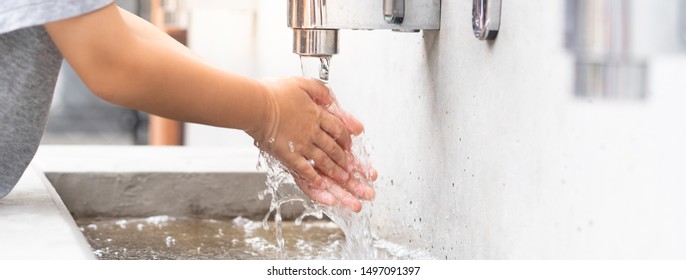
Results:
18 14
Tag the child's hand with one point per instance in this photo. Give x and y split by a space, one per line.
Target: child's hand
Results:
304 136
307 131
347 194
359 186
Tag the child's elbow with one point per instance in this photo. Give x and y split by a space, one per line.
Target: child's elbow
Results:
104 90
111 83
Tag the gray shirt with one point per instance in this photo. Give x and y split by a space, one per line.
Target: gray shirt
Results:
29 64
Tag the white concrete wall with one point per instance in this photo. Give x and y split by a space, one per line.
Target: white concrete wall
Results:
483 150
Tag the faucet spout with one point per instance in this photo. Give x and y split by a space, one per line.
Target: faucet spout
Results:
315 42
315 23
364 14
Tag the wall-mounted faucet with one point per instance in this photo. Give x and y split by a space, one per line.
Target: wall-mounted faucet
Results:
486 18
600 34
315 23
614 40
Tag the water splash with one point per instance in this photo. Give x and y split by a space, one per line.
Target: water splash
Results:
282 188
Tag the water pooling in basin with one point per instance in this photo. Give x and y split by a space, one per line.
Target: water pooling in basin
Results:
282 188
164 237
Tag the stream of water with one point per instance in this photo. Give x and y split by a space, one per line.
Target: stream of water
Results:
282 188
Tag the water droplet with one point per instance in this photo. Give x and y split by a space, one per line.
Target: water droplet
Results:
169 241
324 72
122 224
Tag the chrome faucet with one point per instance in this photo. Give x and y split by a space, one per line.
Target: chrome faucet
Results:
600 34
315 23
614 41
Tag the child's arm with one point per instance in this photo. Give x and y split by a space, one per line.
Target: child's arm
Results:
144 30
126 62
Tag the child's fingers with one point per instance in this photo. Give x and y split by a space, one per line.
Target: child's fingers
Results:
306 171
344 197
336 129
326 165
355 127
360 189
319 92
373 174
322 196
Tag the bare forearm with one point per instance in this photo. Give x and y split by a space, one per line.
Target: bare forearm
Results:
138 66
147 31
182 88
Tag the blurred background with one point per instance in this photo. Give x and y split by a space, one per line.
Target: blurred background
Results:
562 138
223 32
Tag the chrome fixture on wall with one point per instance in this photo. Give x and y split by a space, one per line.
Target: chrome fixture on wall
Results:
315 23
600 35
486 18
394 11
614 40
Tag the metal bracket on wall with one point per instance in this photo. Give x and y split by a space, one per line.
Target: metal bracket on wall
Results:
394 11
486 18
